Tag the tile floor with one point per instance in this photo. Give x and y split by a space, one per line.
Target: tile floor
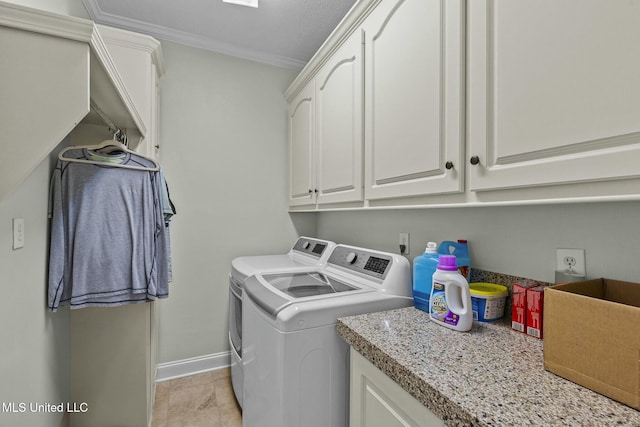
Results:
203 400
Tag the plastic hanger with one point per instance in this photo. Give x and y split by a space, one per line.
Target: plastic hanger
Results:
113 146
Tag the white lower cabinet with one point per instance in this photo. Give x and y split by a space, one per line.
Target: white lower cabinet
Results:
378 401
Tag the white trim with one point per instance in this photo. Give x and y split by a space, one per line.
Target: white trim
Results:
101 53
352 20
40 21
193 40
195 365
131 40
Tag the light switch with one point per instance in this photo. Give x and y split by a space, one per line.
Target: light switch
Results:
18 233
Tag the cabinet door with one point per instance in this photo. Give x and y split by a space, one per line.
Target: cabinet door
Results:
553 90
153 149
339 124
301 134
138 58
414 98
377 401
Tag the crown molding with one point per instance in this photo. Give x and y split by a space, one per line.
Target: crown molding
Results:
134 40
350 23
43 22
188 39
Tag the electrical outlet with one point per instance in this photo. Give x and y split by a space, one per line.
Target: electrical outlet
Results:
571 260
404 240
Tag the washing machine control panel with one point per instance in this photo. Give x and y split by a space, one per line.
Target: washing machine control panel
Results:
314 248
373 264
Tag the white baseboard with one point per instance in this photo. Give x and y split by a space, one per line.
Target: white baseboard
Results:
192 366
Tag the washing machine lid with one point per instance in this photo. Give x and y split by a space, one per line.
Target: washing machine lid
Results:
305 252
306 284
245 266
287 288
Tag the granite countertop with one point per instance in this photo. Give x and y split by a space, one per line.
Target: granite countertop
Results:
489 376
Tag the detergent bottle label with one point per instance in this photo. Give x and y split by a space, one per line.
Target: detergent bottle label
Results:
439 309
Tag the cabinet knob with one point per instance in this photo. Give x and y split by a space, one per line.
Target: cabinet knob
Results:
310 191
315 191
448 165
474 160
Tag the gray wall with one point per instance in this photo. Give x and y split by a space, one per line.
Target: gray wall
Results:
517 240
34 349
224 151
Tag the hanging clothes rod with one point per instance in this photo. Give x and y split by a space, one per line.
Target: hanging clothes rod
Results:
118 134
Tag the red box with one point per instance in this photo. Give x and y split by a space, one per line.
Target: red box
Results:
519 304
535 309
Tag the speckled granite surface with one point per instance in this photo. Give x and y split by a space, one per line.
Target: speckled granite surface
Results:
489 376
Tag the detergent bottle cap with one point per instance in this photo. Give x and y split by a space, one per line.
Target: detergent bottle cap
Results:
432 248
447 263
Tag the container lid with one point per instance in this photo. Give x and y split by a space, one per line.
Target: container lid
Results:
488 290
432 248
447 263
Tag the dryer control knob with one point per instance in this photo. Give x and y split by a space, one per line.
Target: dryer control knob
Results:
352 257
306 245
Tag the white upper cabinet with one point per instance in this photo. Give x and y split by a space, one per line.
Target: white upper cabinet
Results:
339 124
53 70
325 131
553 92
414 98
473 102
301 146
140 63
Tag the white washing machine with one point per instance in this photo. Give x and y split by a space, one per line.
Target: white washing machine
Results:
296 367
305 252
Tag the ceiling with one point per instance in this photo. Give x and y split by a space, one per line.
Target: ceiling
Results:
285 33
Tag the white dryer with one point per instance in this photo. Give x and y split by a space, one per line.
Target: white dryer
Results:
296 367
305 252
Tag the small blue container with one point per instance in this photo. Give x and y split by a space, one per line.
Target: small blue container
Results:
487 301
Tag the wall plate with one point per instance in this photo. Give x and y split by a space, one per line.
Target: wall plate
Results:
18 233
571 260
404 240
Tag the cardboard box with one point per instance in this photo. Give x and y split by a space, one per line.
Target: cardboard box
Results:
535 310
519 304
592 336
